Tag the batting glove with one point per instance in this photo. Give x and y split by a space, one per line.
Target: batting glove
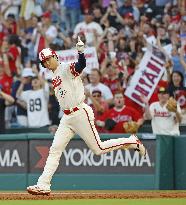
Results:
80 46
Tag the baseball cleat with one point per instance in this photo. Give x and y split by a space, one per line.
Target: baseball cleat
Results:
36 190
139 147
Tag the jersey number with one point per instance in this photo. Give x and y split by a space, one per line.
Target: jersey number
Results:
35 104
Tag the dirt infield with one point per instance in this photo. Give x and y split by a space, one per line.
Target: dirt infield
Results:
94 195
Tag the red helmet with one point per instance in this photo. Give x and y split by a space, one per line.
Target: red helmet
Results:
46 53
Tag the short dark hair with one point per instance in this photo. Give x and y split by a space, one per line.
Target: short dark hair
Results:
42 63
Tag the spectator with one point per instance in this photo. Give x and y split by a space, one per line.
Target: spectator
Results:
182 67
127 7
5 99
28 40
110 78
99 105
95 77
54 7
180 96
163 121
28 7
119 114
13 53
90 28
97 12
5 83
72 14
112 18
10 7
21 112
9 25
5 74
163 35
176 82
44 33
36 102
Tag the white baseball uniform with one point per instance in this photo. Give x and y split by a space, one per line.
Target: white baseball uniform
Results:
163 121
69 91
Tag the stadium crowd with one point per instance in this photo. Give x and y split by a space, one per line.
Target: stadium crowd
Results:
119 30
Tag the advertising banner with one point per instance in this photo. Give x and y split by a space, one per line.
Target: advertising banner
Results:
13 156
78 158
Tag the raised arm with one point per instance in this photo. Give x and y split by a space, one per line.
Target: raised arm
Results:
81 64
147 114
9 100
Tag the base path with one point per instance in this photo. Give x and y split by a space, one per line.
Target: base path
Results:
94 195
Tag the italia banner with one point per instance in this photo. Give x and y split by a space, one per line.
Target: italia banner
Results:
147 76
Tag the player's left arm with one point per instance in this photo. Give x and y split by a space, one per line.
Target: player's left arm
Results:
81 64
77 68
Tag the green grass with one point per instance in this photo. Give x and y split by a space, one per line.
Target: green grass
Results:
98 202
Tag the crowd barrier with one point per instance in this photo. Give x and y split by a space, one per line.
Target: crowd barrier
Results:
23 156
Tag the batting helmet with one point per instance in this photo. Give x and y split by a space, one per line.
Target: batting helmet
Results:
46 53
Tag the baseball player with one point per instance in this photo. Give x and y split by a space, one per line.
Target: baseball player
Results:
78 117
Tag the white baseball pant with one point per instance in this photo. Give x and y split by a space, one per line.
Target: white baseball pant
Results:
80 122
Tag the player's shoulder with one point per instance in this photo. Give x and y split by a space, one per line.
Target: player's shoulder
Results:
60 69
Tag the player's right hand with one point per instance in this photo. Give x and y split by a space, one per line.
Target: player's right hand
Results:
80 46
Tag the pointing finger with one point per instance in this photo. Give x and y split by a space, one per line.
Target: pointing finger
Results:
79 39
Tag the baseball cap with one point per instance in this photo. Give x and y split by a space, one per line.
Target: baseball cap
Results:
46 14
46 53
129 15
163 90
27 72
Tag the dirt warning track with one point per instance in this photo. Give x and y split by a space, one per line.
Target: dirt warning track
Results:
94 195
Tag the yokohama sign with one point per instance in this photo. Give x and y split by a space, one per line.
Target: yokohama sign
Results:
78 158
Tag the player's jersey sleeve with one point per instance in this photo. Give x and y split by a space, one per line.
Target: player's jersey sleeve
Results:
68 69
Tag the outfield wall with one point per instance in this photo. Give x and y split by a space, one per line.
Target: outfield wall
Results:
23 156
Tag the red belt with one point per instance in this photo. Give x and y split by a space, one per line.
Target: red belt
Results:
68 112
